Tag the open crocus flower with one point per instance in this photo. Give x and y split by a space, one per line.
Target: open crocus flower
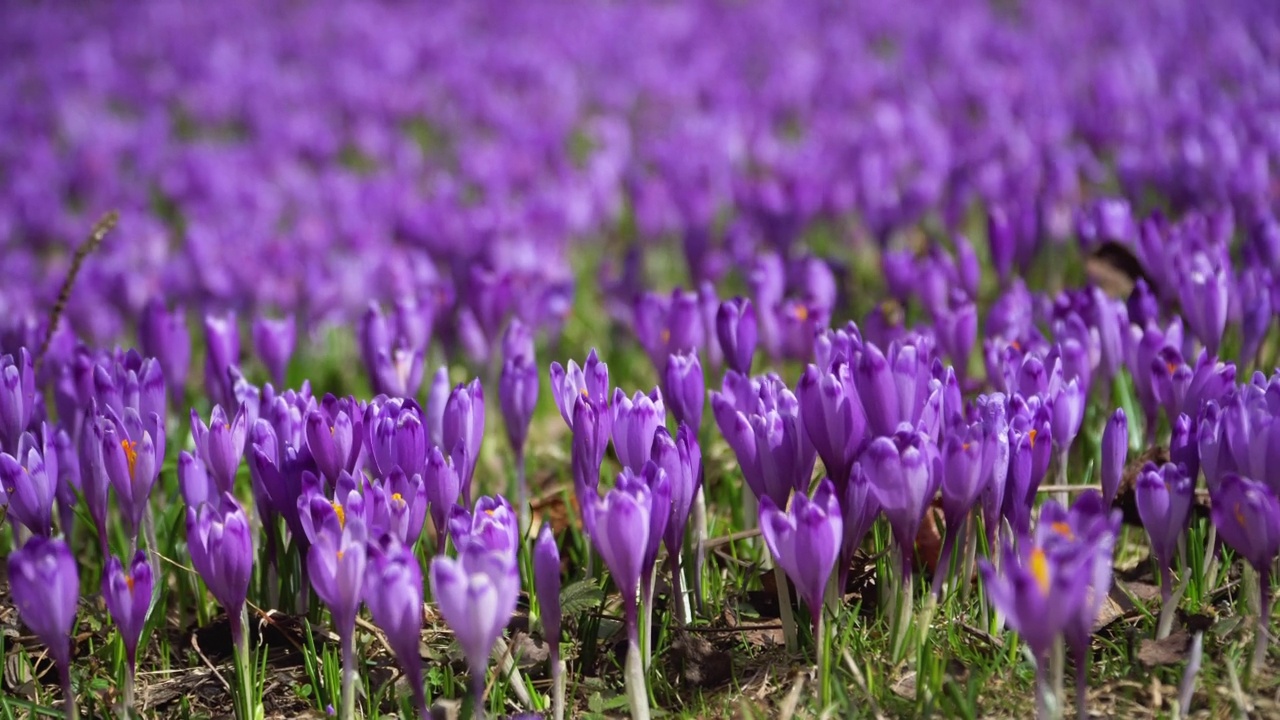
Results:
493 524
805 540
591 382
127 593
46 589
396 505
221 548
220 444
29 482
901 469
477 594
132 454
334 435
396 436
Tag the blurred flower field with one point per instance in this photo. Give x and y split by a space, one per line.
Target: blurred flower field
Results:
577 358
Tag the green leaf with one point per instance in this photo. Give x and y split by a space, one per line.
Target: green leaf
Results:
580 596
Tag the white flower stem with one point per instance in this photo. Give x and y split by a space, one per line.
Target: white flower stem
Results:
348 711
637 693
789 633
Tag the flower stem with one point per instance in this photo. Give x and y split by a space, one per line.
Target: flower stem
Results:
943 567
1042 691
244 663
348 710
558 683
784 608
1167 606
699 546
637 695
1261 642
820 654
1058 664
902 622
126 701
646 625
522 495
477 694
72 712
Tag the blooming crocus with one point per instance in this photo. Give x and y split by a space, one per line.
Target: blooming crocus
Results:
443 489
45 585
463 426
805 540
618 525
30 483
395 505
834 419
394 364
17 398
1203 292
1164 496
635 420
336 563
396 436
476 594
736 330
493 524
222 343
273 340
518 386
1030 440
901 470
163 335
1115 449
1247 516
132 456
127 592
760 419
546 584
220 444
665 326
393 593
591 382
968 456
684 388
221 548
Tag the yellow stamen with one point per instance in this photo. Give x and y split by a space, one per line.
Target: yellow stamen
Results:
802 313
1172 368
1063 529
1032 435
130 454
396 497
342 514
666 336
1040 569
584 393
128 581
964 446
1239 516
489 512
339 554
1015 345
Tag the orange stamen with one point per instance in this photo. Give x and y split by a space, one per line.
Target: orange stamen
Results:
1032 435
130 454
342 514
1040 569
1063 529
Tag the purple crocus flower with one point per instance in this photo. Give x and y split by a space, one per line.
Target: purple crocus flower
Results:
437 398
395 505
336 567
668 326
588 448
394 364
1247 516
195 483
957 330
901 470
396 436
94 481
464 426
127 592
221 548
684 388
45 585
273 340
546 583
736 330
518 386
968 457
334 435
393 593
493 525
17 398
805 541
319 514
760 419
1164 497
681 459
1115 449
476 594
132 457
591 382
1068 412
222 343
995 428
220 444
1204 297
618 525
30 483
833 417
1030 442
635 420
163 335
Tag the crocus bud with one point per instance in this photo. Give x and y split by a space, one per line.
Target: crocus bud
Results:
546 583
681 459
30 490
900 468
222 342
163 335
635 420
443 489
833 417
805 540
619 528
1204 298
45 585
1115 449
336 565
684 389
17 398
968 456
1068 413
736 330
132 458
659 486
587 448
273 340
127 592
221 549
463 424
1164 497
220 444
877 391
393 593
518 387
477 594
195 483
1247 515
437 398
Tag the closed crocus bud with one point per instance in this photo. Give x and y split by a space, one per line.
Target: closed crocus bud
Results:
1068 413
587 448
635 420
591 382
463 425
1204 297
273 340
1256 311
833 417
437 398
443 488
957 329
163 335
477 594
968 456
618 525
195 483
968 269
900 468
336 566
518 388
132 457
684 388
859 509
393 593
1164 497
1247 515
1115 451
127 592
659 486
94 481
995 430
805 540
546 583
30 484
1182 446
220 444
333 440
681 459
221 548
45 586
737 332
222 343
874 380
1003 242
17 398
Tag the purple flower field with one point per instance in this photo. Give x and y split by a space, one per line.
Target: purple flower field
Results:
592 359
